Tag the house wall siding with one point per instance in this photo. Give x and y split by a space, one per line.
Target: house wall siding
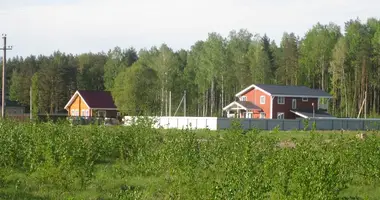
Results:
254 97
79 105
285 108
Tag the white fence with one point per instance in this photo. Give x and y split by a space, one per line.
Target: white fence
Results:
180 122
214 123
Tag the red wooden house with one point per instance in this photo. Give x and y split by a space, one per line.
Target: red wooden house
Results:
279 102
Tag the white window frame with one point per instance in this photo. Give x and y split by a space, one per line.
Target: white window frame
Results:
247 115
280 114
280 102
243 98
262 99
262 115
305 99
74 112
294 100
85 113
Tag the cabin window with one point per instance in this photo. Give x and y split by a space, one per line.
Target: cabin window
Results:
85 113
262 99
243 98
101 113
305 99
280 100
74 112
280 115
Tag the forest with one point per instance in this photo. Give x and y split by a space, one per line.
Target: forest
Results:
344 61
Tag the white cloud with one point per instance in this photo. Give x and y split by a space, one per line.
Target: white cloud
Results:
95 25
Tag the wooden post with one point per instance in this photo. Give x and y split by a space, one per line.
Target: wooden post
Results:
31 104
365 105
184 104
170 103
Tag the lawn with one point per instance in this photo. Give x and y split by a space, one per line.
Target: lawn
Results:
59 161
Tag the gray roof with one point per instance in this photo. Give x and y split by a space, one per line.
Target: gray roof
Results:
249 105
293 90
317 114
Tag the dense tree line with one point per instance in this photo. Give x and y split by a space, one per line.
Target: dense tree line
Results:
344 61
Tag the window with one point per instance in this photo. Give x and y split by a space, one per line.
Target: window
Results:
305 99
280 100
85 113
74 112
101 113
243 98
262 115
262 99
294 104
280 115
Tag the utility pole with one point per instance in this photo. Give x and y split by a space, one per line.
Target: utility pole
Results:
31 104
184 104
365 105
5 49
170 103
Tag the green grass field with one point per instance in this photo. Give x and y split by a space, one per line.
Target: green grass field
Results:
59 161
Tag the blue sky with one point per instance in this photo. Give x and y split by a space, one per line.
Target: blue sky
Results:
77 26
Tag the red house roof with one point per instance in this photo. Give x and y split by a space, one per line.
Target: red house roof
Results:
94 99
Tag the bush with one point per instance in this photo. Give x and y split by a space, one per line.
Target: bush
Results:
180 164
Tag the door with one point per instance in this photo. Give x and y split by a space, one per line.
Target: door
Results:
249 115
294 104
262 115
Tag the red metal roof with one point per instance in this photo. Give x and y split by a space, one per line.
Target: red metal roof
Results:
98 99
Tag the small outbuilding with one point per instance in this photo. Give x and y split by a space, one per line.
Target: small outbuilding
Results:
13 108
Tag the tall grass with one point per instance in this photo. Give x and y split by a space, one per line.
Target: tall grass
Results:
59 161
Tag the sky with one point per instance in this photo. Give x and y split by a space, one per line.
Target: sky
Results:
78 26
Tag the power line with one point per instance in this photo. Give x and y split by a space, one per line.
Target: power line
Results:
5 49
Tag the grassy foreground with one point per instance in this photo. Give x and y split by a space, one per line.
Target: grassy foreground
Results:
59 161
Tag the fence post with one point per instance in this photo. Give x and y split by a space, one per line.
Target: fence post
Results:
283 124
363 125
266 124
299 124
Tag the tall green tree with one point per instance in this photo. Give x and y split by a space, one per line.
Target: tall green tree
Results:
358 58
213 61
260 62
339 78
35 96
269 49
135 90
315 54
237 74
288 72
118 59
